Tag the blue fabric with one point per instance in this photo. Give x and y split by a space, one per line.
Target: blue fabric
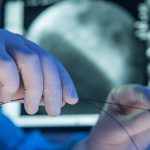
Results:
148 148
10 135
13 138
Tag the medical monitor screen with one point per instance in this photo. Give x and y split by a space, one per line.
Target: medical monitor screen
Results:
94 39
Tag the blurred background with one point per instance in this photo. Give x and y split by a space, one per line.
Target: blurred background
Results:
102 43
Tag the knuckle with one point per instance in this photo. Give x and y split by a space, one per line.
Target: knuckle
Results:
47 56
9 76
31 56
44 53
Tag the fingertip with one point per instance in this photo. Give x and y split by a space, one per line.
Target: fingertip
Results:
70 95
71 98
53 112
31 110
72 101
74 97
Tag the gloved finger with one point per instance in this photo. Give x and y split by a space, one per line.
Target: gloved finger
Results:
129 99
69 92
52 86
131 109
121 129
9 76
31 72
52 83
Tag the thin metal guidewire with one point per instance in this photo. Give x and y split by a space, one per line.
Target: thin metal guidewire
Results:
86 100
111 103
95 100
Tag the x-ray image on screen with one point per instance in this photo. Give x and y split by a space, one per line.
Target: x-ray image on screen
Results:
95 41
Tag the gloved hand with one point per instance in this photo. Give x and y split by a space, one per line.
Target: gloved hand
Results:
125 122
28 71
